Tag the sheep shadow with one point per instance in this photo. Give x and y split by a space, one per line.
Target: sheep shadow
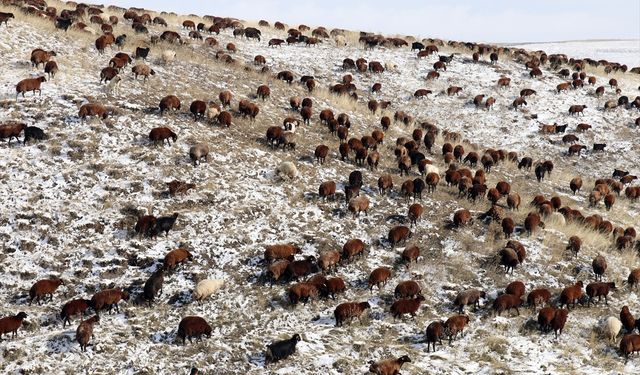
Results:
61 342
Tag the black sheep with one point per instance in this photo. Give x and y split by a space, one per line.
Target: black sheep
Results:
33 132
142 52
120 39
355 179
281 349
165 224
63 23
153 286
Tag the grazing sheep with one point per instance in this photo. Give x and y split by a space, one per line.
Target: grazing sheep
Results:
455 324
329 260
334 285
349 310
12 130
435 332
545 317
11 324
599 265
611 328
303 292
142 69
74 307
627 319
506 302
92 109
630 344
207 287
287 169
153 286
108 298
327 189
571 295
85 331
43 288
461 217
468 297
397 234
389 366
352 247
193 326
410 254
559 320
599 290
378 277
538 297
197 152
515 288
280 251
281 349
175 257
357 205
161 134
32 132
51 68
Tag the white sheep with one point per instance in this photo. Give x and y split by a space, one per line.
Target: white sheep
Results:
391 66
207 287
340 40
114 85
287 169
168 56
558 218
431 169
611 327
212 111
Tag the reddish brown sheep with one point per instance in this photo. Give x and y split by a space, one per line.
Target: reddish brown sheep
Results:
92 109
406 306
538 297
74 307
571 295
348 311
169 102
174 257
280 251
193 326
334 285
12 130
599 290
461 217
43 288
378 277
161 134
11 324
108 298
506 302
84 332
468 297
515 288
389 366
627 319
302 292
630 344
397 234
559 320
327 189
352 248
329 260
545 317
29 84
410 254
455 325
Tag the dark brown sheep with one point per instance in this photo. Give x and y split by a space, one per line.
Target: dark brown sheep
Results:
321 153
348 311
630 344
327 189
435 332
302 292
193 326
352 248
532 222
43 288
545 317
461 217
406 306
12 130
515 288
559 321
599 265
169 102
410 254
574 245
108 298
397 234
627 319
263 92
175 257
11 324
225 98
51 68
576 109
198 109
407 289
634 278
72 308
378 277
85 331
161 134
177 187
599 290
39 56
334 285
329 260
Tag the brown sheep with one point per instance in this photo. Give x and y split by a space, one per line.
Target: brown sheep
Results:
169 102
559 320
574 245
43 288
51 68
571 295
389 366
193 326
609 200
545 317
379 276
39 56
107 74
513 201
108 298
197 152
407 289
327 189
415 212
352 248
321 153
302 292
508 226
538 297
432 179
329 260
276 270
349 310
435 332
280 251
29 84
334 285
12 130
461 217
455 324
506 302
263 92
85 331
198 108
515 288
397 234
373 159
599 290
630 344
406 306
576 109
225 98
634 278
160 134
11 324
92 109
410 254
468 297
599 265
74 307
142 70
627 319
174 257
575 184
532 222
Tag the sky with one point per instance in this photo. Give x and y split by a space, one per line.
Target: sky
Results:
497 21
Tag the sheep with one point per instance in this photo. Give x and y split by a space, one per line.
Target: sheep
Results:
168 56
177 186
29 84
410 254
39 56
174 257
329 260
634 278
281 349
461 217
321 153
277 269
455 324
145 225
51 68
287 139
85 331
303 292
506 302
545 317
11 324
468 297
197 152
538 297
280 251
153 286
627 319
349 310
352 248
161 134
327 189
205 288
571 295
434 333
379 276
44 288
193 326
169 102
334 285
225 119
388 366
407 289
559 320
113 86
164 224
74 307
599 290
515 288
92 109
299 268
287 170
357 205
532 222
508 226
397 234
108 298
630 344
12 130
599 265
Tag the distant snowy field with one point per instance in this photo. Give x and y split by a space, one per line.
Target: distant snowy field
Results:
621 51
